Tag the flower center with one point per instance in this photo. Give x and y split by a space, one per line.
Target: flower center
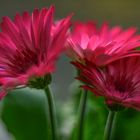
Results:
120 88
125 87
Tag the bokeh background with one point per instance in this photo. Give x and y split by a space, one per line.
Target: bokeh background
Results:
23 111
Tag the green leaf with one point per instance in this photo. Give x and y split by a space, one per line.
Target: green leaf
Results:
95 118
127 125
95 115
24 113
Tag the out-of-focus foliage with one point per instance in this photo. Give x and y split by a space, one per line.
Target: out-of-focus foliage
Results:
127 121
127 125
24 113
95 115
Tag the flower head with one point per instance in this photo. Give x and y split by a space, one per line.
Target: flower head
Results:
118 82
101 45
30 46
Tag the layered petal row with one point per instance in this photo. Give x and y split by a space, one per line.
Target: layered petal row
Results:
101 45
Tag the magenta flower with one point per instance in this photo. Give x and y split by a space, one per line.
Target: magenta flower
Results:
101 46
118 82
30 46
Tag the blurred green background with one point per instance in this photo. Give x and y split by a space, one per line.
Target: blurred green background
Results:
23 111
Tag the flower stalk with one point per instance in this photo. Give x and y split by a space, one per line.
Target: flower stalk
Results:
109 125
81 115
52 112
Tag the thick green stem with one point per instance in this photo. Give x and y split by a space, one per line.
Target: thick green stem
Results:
52 112
109 125
81 113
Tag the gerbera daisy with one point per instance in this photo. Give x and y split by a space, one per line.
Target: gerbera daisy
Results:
29 47
101 45
118 82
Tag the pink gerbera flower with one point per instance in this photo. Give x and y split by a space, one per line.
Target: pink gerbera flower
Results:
118 82
29 46
101 45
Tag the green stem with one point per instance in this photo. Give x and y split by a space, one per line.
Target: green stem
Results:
82 109
109 125
52 112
